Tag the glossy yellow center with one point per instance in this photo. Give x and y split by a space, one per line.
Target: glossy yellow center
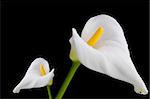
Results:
42 70
97 35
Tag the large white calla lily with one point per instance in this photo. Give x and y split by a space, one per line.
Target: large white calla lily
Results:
102 47
37 75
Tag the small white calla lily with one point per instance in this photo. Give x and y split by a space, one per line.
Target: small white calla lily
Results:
37 76
102 47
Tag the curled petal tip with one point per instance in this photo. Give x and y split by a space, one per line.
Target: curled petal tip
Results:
16 90
74 32
141 91
51 73
53 70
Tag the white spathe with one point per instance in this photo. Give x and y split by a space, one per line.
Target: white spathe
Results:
110 55
33 78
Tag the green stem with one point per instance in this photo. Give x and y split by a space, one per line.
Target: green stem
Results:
67 80
49 92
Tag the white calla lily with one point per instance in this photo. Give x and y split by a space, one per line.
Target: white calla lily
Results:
108 55
37 76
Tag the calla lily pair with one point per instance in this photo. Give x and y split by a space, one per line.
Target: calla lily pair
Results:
37 76
102 47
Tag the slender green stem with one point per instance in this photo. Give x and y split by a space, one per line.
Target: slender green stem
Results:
67 80
49 92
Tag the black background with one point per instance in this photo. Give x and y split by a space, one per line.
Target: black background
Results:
43 29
